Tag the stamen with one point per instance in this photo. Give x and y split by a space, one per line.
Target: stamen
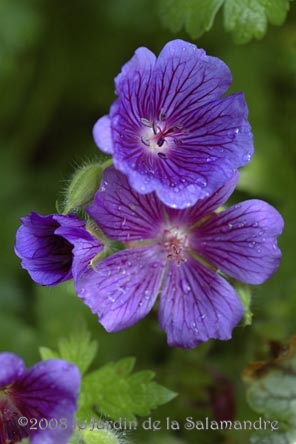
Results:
145 141
162 155
162 115
161 141
146 122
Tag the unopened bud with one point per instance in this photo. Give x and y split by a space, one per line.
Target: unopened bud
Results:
83 186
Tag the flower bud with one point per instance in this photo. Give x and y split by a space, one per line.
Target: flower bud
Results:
83 185
103 436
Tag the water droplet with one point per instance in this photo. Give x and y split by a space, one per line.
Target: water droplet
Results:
123 222
247 157
111 299
255 224
237 206
258 250
203 316
236 130
230 226
201 183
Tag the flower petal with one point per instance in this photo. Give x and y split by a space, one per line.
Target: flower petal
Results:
46 256
186 78
241 241
122 213
196 304
102 134
49 390
85 248
11 368
122 288
132 85
204 207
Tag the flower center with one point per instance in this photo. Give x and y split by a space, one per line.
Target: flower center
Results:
158 136
175 243
10 431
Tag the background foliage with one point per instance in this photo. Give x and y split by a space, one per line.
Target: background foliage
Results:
57 64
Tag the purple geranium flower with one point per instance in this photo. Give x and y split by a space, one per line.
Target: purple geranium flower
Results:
180 255
171 130
45 395
54 248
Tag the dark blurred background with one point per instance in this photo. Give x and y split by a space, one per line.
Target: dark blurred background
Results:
58 59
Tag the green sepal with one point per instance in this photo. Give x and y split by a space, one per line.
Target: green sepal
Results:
95 436
245 295
83 186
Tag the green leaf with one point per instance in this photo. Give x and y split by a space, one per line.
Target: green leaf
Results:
47 353
115 392
196 16
78 349
248 18
272 393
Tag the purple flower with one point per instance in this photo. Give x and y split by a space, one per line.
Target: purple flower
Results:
45 395
171 130
180 255
54 248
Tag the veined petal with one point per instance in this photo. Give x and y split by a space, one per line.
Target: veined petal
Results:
186 78
85 248
11 368
102 134
133 85
196 304
203 207
218 130
122 213
242 241
49 390
45 255
122 288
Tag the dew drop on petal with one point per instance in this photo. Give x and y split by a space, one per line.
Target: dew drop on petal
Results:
247 157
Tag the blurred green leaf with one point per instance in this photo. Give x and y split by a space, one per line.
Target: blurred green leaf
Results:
78 349
47 353
117 393
272 392
247 19
196 16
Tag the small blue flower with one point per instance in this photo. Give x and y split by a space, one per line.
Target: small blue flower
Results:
182 256
54 248
171 130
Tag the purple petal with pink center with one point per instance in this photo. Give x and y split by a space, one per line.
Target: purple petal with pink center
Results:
172 130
